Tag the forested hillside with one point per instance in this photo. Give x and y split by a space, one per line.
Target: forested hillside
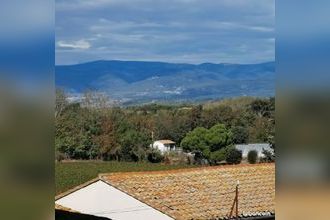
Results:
136 82
93 129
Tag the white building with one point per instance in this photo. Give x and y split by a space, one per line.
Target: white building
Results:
165 145
246 148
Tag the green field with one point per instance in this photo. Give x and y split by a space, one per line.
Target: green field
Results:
70 174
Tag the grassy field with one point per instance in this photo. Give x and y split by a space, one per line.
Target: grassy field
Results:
70 174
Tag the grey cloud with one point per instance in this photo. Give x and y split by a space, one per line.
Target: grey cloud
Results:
79 44
174 30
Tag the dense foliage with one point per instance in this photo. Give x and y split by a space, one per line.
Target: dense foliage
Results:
233 156
252 156
95 129
210 143
155 156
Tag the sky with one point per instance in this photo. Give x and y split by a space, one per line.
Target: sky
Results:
180 31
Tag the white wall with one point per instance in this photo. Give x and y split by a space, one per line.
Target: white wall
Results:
160 146
246 148
101 199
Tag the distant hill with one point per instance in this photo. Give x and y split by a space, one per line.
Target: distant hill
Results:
141 82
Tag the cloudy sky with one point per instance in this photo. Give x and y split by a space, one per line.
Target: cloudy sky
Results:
190 31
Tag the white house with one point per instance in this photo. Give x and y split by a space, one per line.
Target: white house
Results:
165 145
259 147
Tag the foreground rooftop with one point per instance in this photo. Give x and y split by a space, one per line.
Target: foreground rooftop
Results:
199 193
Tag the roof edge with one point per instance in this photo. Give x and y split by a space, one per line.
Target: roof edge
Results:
63 208
265 217
76 188
100 178
109 183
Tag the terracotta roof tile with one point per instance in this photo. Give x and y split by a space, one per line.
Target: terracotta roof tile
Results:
202 193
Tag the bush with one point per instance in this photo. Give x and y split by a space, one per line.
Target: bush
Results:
155 156
218 156
268 158
199 158
175 158
252 156
233 156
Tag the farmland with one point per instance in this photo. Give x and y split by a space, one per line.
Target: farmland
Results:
70 174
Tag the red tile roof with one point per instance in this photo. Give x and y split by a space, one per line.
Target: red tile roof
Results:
202 193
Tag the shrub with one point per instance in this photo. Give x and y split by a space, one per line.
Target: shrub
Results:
252 156
233 155
269 157
199 158
218 156
155 156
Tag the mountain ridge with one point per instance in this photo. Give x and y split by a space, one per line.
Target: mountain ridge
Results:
145 81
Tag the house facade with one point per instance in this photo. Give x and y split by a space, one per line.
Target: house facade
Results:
165 146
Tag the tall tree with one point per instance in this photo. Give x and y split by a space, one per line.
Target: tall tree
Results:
219 137
196 116
60 102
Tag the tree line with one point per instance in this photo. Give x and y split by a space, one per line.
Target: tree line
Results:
96 129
